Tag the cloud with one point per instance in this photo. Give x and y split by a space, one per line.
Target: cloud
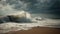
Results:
18 4
33 6
11 6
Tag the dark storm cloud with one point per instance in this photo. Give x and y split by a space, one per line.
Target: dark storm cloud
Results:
45 7
19 5
36 6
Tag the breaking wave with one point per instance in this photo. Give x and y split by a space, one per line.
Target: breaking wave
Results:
32 22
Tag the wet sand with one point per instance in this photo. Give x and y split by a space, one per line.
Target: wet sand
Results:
38 30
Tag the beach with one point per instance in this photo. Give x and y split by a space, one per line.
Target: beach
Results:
38 30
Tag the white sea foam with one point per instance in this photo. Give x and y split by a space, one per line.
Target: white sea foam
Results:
11 26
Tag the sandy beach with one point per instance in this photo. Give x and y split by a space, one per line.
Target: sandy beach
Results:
38 30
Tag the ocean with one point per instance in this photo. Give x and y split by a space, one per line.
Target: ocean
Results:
15 26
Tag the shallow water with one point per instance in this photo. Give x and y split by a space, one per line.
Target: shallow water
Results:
12 26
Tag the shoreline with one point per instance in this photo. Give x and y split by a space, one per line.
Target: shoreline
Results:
38 30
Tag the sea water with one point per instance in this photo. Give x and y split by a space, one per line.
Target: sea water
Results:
13 26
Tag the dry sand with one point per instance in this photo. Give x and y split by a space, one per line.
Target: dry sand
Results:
38 30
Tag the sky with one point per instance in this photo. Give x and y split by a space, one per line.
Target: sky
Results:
33 6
